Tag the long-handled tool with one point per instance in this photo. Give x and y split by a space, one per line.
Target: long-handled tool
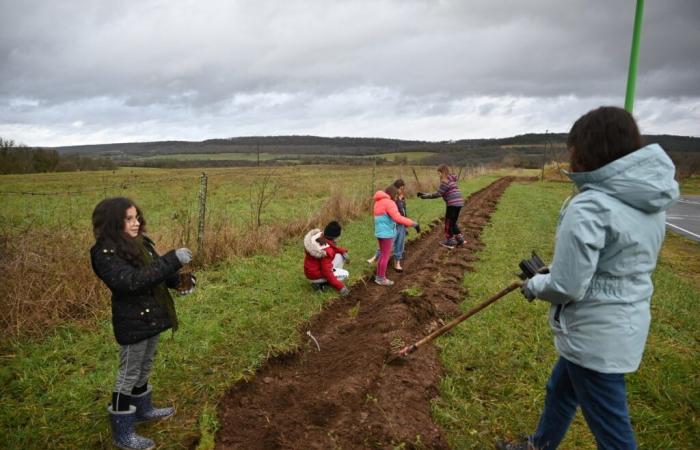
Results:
453 323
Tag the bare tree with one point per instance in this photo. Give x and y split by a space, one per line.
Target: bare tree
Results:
261 193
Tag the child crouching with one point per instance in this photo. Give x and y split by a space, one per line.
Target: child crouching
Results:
324 259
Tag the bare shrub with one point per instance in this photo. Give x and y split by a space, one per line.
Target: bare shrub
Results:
687 164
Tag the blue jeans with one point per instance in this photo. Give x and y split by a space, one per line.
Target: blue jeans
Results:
603 401
399 243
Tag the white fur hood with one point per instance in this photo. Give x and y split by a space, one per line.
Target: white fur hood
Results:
311 246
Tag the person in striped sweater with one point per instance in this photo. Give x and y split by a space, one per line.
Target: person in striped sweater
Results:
450 193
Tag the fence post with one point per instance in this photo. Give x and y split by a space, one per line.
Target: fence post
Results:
415 175
202 214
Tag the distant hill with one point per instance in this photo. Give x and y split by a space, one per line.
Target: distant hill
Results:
524 150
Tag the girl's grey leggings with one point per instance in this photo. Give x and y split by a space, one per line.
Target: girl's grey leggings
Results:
135 362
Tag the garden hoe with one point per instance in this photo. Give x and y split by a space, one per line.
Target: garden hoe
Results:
530 267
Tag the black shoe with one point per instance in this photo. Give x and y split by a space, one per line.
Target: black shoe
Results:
318 287
449 243
521 444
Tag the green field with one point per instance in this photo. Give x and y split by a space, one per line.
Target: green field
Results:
498 362
410 156
55 388
67 199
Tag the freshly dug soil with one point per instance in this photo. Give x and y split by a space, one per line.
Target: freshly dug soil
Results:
346 396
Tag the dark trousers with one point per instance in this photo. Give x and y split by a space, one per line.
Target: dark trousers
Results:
602 399
451 216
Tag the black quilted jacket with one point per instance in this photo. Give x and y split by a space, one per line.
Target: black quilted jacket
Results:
136 315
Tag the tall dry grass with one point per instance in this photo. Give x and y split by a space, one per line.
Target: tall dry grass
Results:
48 279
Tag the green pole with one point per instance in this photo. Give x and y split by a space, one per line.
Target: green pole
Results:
632 75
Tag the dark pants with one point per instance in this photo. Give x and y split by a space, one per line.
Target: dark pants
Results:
451 216
602 399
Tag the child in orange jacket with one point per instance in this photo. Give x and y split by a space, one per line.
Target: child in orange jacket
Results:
386 216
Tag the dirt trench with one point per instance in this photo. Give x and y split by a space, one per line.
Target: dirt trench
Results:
346 396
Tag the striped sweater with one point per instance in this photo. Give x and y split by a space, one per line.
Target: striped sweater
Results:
449 191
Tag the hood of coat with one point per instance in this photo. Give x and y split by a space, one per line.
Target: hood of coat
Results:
380 195
452 177
312 247
643 179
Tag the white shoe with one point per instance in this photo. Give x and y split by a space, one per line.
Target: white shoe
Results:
383 281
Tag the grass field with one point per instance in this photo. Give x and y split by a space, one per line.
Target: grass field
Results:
410 156
498 362
166 195
55 389
691 185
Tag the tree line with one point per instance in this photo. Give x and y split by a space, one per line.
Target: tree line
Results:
18 158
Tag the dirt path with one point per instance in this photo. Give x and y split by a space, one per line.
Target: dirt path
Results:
345 396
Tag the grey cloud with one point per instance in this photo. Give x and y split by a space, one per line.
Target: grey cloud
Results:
187 60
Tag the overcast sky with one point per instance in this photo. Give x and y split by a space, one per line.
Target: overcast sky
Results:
100 71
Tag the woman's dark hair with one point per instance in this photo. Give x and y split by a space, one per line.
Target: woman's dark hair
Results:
398 183
601 136
392 191
108 227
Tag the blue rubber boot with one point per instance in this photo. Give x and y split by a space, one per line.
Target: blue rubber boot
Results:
145 412
123 434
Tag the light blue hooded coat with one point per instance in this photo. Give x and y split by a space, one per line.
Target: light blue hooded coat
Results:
607 243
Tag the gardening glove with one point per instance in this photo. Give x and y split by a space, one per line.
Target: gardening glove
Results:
193 282
344 292
346 258
527 293
417 227
421 195
184 255
531 267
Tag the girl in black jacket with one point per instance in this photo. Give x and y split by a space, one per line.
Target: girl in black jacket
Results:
124 258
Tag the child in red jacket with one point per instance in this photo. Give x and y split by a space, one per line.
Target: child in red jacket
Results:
324 259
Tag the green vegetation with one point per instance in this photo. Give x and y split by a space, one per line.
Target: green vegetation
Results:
691 185
17 158
413 291
498 362
55 389
398 156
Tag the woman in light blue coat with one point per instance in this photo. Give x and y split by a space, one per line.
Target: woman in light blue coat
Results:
599 285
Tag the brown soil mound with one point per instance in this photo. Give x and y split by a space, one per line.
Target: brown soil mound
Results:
346 395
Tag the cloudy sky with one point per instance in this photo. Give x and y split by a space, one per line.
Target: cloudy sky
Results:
99 71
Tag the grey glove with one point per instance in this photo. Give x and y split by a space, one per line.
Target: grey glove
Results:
527 293
421 195
345 291
184 255
346 258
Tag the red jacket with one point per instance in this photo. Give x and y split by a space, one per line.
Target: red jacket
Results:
318 259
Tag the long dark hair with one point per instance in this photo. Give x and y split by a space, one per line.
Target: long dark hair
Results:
108 227
392 191
601 136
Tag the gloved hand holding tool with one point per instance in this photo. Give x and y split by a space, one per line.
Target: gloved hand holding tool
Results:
530 268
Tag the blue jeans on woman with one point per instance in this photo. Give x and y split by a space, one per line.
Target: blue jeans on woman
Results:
399 242
603 401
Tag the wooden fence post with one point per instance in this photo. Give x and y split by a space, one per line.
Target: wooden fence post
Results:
202 214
